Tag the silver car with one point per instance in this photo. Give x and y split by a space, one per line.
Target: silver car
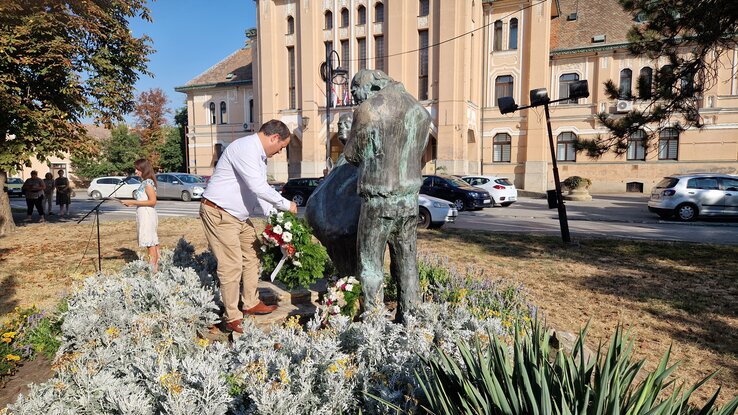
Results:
688 196
434 212
181 186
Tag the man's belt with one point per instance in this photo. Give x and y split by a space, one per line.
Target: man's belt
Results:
207 202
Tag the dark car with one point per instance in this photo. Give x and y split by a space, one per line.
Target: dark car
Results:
456 191
299 190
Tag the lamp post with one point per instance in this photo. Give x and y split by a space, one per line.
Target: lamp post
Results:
331 75
538 97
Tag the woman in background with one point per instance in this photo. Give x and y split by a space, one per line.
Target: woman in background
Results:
63 193
146 219
48 192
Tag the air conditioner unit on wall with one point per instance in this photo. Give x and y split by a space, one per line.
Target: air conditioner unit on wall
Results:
624 106
248 126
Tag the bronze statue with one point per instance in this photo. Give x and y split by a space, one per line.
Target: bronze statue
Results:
387 140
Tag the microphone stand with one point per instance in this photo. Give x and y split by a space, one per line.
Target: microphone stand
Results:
96 209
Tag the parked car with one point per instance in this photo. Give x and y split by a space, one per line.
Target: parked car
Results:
299 190
456 191
13 186
501 189
105 186
277 186
180 186
688 196
434 212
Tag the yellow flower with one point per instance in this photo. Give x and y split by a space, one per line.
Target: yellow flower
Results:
171 381
9 335
202 342
112 332
333 368
12 357
293 323
283 376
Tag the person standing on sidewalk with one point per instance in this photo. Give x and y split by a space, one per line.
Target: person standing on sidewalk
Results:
34 191
48 192
236 191
63 193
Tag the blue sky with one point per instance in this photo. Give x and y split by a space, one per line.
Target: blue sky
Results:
189 37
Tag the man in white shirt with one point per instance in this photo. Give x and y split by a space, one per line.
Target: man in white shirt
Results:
236 191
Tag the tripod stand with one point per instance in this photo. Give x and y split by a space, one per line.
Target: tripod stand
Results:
96 209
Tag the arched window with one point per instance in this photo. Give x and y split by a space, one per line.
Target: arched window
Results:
513 40
290 25
328 25
223 113
669 144
379 13
565 147
501 148
503 87
344 17
665 79
424 8
637 146
626 83
645 83
686 84
497 40
361 15
212 113
564 81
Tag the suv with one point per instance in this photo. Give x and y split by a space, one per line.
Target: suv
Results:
299 190
690 195
456 191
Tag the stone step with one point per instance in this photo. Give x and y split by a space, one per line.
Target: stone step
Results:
277 293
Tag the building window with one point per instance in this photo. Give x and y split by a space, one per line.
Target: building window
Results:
686 84
223 113
497 45
423 65
344 17
669 144
379 53
345 54
293 83
379 13
328 25
424 8
645 83
290 25
565 147
637 146
212 113
513 41
361 15
503 87
665 79
251 110
564 81
501 148
626 82
361 43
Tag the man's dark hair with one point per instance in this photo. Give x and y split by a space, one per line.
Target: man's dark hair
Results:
275 127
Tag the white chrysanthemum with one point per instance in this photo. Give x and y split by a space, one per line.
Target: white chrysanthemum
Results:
298 264
263 248
280 217
349 287
286 236
277 230
288 226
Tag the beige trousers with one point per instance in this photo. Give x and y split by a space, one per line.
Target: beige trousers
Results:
235 246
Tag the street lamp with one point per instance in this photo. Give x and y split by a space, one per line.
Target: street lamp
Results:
331 75
538 97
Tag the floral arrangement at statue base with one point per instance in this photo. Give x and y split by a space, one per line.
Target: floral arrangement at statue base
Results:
343 297
289 253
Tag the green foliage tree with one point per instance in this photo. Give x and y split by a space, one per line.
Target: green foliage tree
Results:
116 156
692 36
170 153
61 61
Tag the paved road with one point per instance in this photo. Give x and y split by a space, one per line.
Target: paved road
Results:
620 216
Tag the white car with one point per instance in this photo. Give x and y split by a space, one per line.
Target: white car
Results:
501 189
112 186
434 212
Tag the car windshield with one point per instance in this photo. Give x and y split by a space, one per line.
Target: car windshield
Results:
186 178
667 183
14 180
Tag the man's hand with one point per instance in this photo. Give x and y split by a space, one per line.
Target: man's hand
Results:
293 207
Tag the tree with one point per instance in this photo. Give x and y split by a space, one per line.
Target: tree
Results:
171 151
150 111
117 155
181 121
692 36
61 61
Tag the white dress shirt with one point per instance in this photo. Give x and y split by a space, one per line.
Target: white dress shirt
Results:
239 183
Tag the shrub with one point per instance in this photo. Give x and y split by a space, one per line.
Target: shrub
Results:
574 182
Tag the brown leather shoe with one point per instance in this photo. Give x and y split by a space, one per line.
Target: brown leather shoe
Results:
260 309
234 325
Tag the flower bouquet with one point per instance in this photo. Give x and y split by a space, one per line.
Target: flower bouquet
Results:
289 253
343 297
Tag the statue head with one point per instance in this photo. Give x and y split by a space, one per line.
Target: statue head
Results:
344 126
368 82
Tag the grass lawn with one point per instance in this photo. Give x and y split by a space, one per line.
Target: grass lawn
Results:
683 295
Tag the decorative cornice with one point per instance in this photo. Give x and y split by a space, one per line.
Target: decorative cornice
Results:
213 85
589 49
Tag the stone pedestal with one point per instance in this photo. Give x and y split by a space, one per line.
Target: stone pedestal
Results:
579 194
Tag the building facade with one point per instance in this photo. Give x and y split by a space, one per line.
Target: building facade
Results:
458 57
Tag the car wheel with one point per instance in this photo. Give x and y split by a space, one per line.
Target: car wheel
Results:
424 218
186 196
96 195
686 212
299 199
459 204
